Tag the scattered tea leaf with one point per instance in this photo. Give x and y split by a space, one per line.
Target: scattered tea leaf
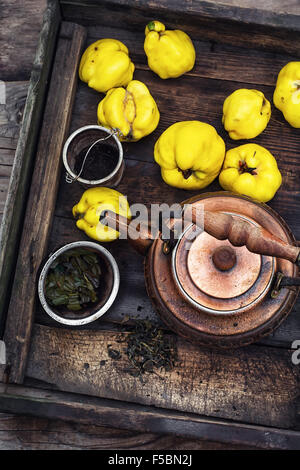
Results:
149 348
114 354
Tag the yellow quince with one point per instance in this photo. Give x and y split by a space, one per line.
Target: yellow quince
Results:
132 112
105 64
91 205
287 93
251 170
190 154
170 53
246 114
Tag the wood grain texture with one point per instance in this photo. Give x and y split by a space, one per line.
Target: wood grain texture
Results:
257 385
102 412
25 153
275 6
41 201
270 13
20 28
290 7
8 143
219 23
11 114
33 433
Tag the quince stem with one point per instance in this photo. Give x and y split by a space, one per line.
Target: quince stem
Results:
151 26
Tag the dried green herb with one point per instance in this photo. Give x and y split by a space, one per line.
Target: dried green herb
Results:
73 279
150 348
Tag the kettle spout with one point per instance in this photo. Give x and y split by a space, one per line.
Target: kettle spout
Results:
139 235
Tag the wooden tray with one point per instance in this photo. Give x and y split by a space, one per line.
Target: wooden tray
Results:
248 396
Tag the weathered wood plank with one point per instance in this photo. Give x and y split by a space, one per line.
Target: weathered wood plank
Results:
257 385
5 172
11 113
20 27
290 7
246 12
24 157
235 25
8 143
102 412
42 196
7 156
7 153
34 433
10 122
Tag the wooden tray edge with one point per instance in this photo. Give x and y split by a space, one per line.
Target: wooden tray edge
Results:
103 412
11 227
210 9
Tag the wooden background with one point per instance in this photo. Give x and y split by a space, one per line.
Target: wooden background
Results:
20 26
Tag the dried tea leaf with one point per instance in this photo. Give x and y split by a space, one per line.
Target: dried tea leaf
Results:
114 354
73 279
150 348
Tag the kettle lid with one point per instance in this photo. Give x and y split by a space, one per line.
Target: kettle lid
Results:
217 277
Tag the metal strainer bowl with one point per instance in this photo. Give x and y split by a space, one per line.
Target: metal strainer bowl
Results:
109 287
87 137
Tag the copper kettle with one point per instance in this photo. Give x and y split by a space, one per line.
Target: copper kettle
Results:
227 285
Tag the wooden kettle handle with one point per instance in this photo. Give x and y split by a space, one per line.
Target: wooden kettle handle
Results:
240 232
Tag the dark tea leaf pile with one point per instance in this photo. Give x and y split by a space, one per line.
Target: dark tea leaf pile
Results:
73 279
148 348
